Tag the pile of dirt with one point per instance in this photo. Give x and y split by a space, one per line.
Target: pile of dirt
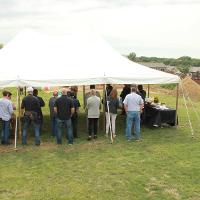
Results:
190 88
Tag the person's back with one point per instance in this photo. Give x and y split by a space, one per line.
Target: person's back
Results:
30 103
6 109
64 105
126 90
52 101
133 102
89 94
142 92
113 104
41 101
93 105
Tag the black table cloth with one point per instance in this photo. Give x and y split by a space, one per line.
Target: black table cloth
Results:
155 117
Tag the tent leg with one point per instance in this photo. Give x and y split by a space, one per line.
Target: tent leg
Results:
19 114
177 95
104 114
148 90
17 117
84 103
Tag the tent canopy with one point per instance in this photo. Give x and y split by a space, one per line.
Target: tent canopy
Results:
37 59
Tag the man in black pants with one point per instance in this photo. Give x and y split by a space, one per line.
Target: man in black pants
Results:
93 105
74 117
42 104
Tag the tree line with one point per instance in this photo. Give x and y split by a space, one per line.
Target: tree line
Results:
183 63
184 60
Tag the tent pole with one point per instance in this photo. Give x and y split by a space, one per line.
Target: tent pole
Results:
108 112
84 96
19 113
177 95
104 114
25 91
17 117
148 90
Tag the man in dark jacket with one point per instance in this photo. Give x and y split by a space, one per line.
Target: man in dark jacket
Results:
42 104
30 110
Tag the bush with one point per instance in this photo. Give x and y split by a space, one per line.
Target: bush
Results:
169 86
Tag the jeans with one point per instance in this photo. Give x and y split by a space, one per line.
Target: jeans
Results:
133 116
61 124
53 126
5 131
37 132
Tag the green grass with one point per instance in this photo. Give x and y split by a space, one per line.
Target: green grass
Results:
164 165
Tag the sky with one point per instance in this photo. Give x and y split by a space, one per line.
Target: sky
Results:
160 28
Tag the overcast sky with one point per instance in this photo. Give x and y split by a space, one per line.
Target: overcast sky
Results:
162 28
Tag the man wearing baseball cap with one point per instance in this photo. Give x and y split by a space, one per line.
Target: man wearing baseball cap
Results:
30 110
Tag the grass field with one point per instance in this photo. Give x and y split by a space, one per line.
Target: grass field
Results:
164 165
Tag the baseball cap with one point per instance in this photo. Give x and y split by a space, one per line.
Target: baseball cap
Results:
29 89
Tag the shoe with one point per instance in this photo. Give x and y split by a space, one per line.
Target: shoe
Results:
89 138
2 142
95 136
70 144
138 140
114 135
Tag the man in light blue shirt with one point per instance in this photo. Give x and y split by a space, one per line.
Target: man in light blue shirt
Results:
6 111
133 104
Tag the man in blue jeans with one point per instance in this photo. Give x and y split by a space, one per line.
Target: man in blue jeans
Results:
64 108
30 111
52 101
133 104
6 111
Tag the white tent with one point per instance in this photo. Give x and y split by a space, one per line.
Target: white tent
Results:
36 59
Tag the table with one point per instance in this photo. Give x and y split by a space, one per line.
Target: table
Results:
155 117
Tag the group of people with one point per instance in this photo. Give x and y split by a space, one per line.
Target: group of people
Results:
64 112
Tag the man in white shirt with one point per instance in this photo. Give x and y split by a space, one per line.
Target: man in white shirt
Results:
6 111
133 104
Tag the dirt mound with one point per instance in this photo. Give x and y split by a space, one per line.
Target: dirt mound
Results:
190 88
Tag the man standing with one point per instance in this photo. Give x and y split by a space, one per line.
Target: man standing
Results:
30 111
74 117
42 104
93 105
64 109
133 105
6 111
52 101
126 90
